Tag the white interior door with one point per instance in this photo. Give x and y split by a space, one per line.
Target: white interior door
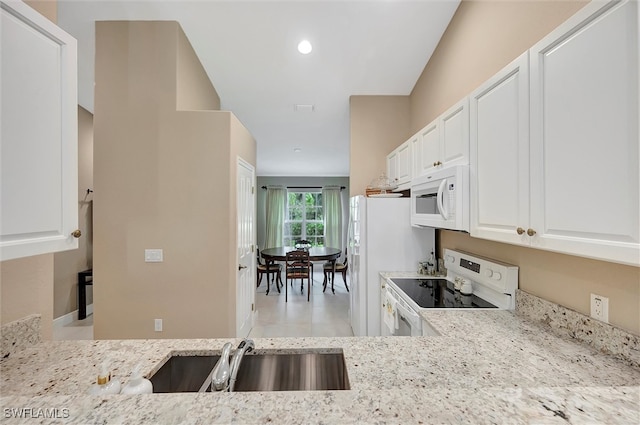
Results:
245 288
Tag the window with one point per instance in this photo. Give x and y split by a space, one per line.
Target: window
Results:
304 218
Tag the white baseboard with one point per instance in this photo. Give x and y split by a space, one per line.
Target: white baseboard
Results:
70 317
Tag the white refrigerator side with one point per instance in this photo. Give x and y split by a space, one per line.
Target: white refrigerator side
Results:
392 244
380 239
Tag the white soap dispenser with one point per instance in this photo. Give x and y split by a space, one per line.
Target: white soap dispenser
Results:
104 384
137 384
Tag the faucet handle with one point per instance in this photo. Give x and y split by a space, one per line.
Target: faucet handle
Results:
248 343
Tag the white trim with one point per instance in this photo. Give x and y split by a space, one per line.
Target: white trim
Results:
69 318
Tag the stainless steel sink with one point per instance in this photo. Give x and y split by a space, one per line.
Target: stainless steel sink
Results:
293 372
183 374
312 370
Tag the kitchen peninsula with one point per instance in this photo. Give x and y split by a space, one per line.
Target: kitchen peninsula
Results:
491 367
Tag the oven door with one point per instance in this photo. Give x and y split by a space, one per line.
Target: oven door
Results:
409 323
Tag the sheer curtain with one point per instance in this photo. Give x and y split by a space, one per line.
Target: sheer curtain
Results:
275 209
332 208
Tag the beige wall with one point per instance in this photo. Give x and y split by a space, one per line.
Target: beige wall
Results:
194 90
162 180
26 284
47 8
26 287
378 124
483 37
67 264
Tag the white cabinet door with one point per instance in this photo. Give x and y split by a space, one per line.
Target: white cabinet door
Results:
38 151
454 134
429 147
400 165
445 141
415 155
499 155
392 166
584 135
404 163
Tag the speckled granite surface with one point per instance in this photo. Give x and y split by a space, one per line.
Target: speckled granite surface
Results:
16 336
562 322
569 323
489 367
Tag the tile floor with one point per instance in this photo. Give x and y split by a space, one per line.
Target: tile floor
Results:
78 329
325 315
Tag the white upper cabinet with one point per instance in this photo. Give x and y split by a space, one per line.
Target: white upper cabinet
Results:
454 134
400 165
445 141
38 145
415 155
442 143
499 155
584 135
392 166
404 164
554 155
429 143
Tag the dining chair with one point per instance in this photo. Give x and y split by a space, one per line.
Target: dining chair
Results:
274 269
305 245
297 266
340 268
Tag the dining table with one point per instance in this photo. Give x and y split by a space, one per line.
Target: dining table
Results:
316 253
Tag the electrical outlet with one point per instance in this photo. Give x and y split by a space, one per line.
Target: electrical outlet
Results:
600 308
158 325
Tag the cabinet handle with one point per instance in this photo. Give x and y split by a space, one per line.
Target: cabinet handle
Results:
240 267
520 230
531 232
435 164
76 233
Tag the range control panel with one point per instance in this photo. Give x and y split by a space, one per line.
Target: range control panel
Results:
474 267
492 278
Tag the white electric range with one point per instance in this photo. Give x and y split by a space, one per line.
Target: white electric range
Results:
472 282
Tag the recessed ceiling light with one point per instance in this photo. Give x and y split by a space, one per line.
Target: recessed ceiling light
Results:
305 47
297 150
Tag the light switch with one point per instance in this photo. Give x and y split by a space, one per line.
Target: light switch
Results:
153 255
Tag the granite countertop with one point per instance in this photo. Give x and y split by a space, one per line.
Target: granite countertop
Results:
488 367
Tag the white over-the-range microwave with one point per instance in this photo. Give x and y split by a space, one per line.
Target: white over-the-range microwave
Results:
440 199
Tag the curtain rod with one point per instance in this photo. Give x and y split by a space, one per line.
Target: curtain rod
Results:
306 187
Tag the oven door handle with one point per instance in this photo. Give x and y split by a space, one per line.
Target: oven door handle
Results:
440 200
411 316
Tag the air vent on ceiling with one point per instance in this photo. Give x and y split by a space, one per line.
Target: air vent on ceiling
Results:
303 108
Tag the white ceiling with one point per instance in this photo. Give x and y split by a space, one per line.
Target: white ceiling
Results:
248 49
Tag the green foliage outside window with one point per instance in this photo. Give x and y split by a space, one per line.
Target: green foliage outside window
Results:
304 218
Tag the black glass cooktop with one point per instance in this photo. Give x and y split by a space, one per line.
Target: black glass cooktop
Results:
438 293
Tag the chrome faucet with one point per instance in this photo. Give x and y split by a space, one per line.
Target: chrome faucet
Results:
246 346
220 373
223 376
